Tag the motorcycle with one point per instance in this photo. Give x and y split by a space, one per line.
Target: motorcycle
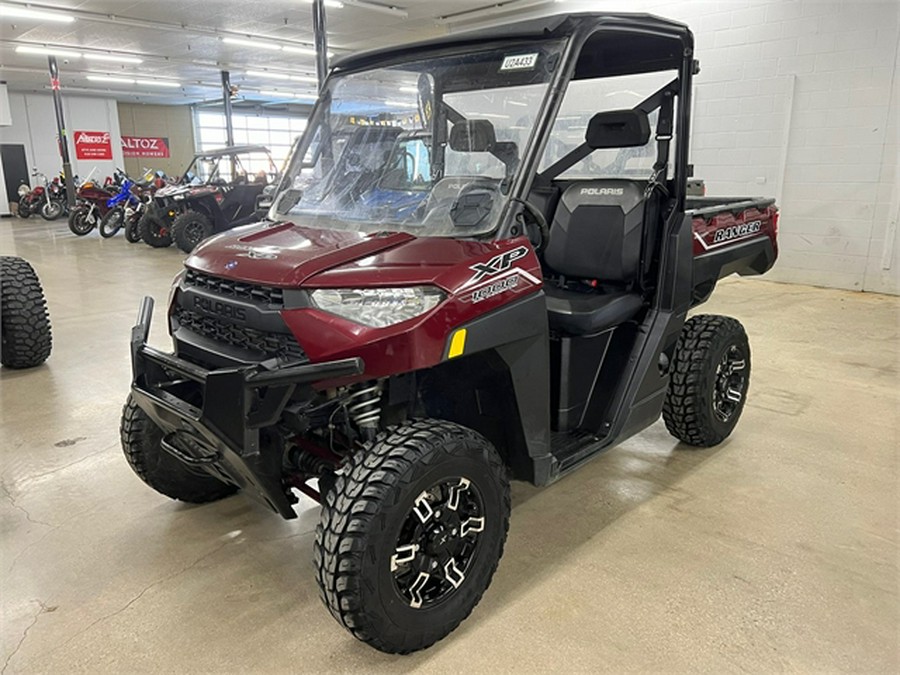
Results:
48 198
91 207
144 191
32 198
121 207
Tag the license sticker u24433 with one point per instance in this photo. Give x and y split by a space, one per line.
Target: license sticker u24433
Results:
519 62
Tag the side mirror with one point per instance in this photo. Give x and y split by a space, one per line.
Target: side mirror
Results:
472 136
618 129
289 199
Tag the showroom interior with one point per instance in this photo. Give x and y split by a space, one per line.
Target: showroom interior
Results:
421 300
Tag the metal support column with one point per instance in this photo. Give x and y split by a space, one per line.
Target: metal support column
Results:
226 104
61 131
321 40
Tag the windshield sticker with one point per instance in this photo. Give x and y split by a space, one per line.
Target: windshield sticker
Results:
519 62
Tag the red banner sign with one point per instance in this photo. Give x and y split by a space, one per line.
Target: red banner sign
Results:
143 146
93 145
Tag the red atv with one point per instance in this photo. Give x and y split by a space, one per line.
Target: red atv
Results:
400 365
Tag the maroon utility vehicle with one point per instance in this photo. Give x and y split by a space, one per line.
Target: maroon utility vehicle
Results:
514 304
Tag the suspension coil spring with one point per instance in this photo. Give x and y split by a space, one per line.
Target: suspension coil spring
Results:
364 405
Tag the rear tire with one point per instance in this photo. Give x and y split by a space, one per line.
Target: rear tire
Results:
132 230
141 442
390 516
112 222
25 338
24 210
190 228
154 231
710 377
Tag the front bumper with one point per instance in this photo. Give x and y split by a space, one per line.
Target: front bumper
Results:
211 419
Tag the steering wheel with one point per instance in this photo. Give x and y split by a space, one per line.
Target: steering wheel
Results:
537 219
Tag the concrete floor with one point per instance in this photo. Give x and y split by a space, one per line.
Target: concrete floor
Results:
775 551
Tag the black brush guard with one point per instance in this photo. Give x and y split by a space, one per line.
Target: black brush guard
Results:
221 435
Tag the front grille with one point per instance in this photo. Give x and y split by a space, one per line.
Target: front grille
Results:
274 297
273 345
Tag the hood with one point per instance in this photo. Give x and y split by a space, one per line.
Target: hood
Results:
169 190
284 254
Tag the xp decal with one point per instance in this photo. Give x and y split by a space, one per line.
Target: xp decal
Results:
495 265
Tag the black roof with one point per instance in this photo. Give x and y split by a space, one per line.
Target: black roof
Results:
233 150
548 27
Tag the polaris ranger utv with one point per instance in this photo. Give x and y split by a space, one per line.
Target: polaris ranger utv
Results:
400 368
219 190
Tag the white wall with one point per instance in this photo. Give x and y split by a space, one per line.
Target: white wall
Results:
793 101
34 126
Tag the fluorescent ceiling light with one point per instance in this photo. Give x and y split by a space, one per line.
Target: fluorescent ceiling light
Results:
287 94
159 83
282 76
267 74
401 104
17 12
112 58
256 44
378 7
337 4
497 8
48 51
108 78
310 51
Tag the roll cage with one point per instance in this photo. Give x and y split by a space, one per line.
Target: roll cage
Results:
596 46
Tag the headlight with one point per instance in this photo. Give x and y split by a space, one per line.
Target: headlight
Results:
24 190
377 307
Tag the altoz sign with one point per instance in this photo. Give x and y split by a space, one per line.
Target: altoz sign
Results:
145 146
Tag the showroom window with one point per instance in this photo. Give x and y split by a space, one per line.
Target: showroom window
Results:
275 132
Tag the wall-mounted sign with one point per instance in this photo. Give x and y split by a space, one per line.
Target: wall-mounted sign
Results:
145 146
92 145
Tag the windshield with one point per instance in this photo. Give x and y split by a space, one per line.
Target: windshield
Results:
429 147
246 167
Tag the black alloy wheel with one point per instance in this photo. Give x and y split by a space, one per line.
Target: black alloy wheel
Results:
731 383
190 228
437 542
411 533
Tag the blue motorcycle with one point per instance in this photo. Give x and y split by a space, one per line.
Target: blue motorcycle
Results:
122 206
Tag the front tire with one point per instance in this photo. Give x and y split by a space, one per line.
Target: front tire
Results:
81 220
112 222
142 444
710 377
411 534
52 210
190 228
25 338
154 231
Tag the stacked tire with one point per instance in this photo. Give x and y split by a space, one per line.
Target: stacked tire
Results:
25 338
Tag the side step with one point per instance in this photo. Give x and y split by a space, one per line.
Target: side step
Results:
571 449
